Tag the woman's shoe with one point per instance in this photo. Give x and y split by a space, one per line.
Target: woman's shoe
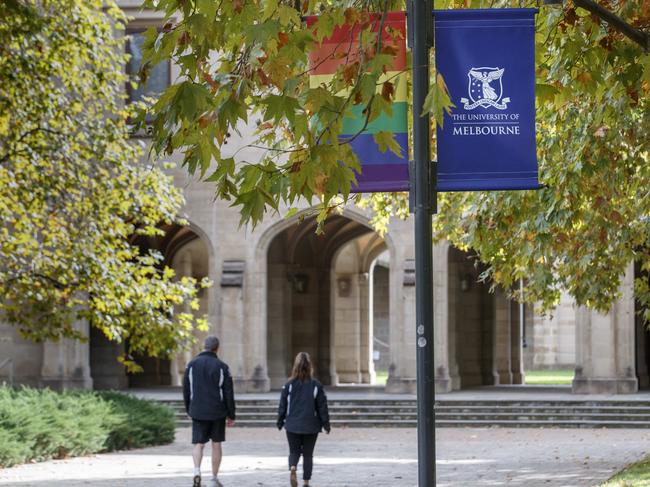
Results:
197 481
293 478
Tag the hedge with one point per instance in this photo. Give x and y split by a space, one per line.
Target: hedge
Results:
40 424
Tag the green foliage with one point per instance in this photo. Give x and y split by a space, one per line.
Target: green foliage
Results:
246 61
42 424
591 219
72 192
244 67
587 224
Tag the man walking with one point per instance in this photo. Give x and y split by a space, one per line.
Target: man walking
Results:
209 400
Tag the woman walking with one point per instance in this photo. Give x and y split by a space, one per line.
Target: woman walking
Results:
303 413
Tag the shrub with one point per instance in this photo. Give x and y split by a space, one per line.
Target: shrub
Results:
42 424
142 423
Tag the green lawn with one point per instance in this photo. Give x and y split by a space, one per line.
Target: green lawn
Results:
545 377
636 475
382 377
549 377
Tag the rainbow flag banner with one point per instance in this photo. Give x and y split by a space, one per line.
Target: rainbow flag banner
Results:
380 171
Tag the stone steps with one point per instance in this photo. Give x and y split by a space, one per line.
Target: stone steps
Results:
369 413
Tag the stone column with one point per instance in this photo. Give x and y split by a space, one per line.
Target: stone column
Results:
452 323
402 369
367 365
346 292
443 380
381 315
181 359
232 322
516 353
501 341
66 363
279 319
529 337
605 346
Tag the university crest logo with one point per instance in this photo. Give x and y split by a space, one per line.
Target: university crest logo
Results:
485 89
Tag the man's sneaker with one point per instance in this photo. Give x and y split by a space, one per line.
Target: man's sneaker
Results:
197 481
293 478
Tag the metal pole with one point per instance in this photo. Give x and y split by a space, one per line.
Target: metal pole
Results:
425 198
522 318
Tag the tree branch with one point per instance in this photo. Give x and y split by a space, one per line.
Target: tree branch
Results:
640 37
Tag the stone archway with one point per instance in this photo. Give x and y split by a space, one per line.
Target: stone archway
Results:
318 298
353 308
185 250
380 318
484 331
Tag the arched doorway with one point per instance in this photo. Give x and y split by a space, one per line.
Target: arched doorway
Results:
642 337
485 330
188 254
320 299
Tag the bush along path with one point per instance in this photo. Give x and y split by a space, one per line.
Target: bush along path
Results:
40 424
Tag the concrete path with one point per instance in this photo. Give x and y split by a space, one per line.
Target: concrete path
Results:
360 457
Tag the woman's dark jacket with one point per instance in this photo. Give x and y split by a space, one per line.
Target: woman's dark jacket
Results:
303 408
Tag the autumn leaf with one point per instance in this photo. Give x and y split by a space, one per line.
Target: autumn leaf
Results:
387 91
350 72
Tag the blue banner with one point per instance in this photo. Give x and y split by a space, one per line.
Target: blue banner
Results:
487 59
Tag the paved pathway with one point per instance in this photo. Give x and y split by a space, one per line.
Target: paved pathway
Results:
360 457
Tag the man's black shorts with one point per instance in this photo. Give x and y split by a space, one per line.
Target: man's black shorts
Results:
204 431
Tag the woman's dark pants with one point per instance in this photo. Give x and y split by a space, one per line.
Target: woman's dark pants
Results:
302 445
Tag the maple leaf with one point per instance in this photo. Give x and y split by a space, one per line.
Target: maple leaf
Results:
320 183
283 39
265 80
387 91
351 16
350 72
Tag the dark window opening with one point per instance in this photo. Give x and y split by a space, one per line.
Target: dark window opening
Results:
159 75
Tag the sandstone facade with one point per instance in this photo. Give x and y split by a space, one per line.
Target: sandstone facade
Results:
348 298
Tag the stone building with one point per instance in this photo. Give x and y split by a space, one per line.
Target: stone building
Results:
347 297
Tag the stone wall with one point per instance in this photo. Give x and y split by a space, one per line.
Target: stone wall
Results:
552 342
27 357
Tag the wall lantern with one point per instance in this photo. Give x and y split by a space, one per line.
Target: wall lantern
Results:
465 282
300 283
344 286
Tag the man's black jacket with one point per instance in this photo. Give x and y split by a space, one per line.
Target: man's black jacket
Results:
207 388
303 408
